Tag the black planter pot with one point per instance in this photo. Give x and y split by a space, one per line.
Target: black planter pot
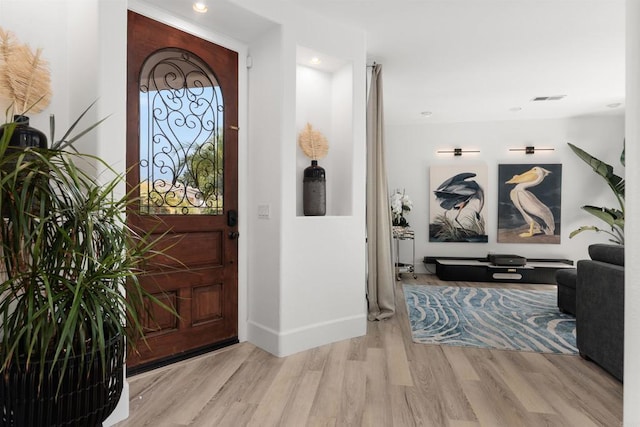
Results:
87 395
314 192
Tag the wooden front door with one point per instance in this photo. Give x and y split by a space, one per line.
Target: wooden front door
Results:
182 156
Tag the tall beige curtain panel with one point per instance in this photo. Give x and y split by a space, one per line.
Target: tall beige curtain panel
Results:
380 269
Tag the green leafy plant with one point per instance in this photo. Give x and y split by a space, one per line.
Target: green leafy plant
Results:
67 255
613 217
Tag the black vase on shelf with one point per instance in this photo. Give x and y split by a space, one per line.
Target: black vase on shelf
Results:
24 135
314 193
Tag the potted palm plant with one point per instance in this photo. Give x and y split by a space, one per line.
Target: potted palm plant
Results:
613 217
67 256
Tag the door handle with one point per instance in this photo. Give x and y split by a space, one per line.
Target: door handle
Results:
232 218
233 235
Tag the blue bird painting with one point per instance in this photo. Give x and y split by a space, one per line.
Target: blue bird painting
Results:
457 192
458 204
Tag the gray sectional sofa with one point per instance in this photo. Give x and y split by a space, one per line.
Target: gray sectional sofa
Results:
599 307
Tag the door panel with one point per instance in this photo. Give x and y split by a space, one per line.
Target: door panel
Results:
182 112
195 249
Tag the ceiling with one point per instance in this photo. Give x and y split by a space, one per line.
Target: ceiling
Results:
476 60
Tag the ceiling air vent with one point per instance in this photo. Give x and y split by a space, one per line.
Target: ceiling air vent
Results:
549 98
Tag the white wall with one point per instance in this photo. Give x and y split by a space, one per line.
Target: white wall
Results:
632 248
323 277
411 150
321 265
42 29
342 136
264 173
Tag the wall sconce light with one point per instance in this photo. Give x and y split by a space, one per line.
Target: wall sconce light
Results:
457 151
530 149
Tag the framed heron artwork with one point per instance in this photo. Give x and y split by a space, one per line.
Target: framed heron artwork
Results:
529 197
457 206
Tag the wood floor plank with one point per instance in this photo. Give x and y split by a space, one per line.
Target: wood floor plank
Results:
357 348
437 378
326 403
458 423
525 392
397 363
202 389
318 421
376 411
459 363
482 404
317 358
271 407
186 388
504 402
570 413
236 414
247 386
402 412
381 379
297 411
352 400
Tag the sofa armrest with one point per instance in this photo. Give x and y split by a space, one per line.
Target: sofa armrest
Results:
600 314
612 254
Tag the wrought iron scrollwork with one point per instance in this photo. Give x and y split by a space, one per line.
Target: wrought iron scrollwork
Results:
181 139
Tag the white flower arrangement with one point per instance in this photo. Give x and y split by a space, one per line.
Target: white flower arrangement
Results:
400 204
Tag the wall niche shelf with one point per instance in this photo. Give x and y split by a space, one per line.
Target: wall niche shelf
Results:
324 98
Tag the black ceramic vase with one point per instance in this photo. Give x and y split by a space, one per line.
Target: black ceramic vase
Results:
24 135
314 193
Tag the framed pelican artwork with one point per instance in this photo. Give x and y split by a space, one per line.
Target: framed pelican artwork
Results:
457 208
529 197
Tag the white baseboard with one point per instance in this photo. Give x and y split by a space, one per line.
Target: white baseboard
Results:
263 337
295 340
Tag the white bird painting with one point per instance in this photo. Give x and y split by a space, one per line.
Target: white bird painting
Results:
534 212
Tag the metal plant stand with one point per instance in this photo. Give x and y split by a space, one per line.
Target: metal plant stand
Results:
404 234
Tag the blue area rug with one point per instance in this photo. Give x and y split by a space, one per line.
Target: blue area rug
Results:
504 319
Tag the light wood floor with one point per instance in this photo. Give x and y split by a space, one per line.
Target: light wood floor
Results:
381 379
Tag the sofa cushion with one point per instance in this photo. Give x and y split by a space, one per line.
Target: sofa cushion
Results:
612 254
567 277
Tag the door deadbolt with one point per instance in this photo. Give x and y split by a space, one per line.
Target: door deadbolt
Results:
232 218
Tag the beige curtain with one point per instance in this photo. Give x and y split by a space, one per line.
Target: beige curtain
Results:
380 269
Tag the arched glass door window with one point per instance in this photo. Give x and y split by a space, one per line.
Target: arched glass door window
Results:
181 136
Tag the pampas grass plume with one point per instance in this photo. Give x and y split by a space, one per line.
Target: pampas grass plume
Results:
313 143
25 80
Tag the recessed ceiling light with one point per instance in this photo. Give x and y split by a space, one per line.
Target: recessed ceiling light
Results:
515 109
426 113
200 7
315 60
614 105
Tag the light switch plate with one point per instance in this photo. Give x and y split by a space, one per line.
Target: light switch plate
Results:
263 211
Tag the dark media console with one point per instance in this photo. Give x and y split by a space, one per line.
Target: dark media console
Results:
497 268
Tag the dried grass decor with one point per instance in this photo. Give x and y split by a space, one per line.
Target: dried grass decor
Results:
25 80
313 143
